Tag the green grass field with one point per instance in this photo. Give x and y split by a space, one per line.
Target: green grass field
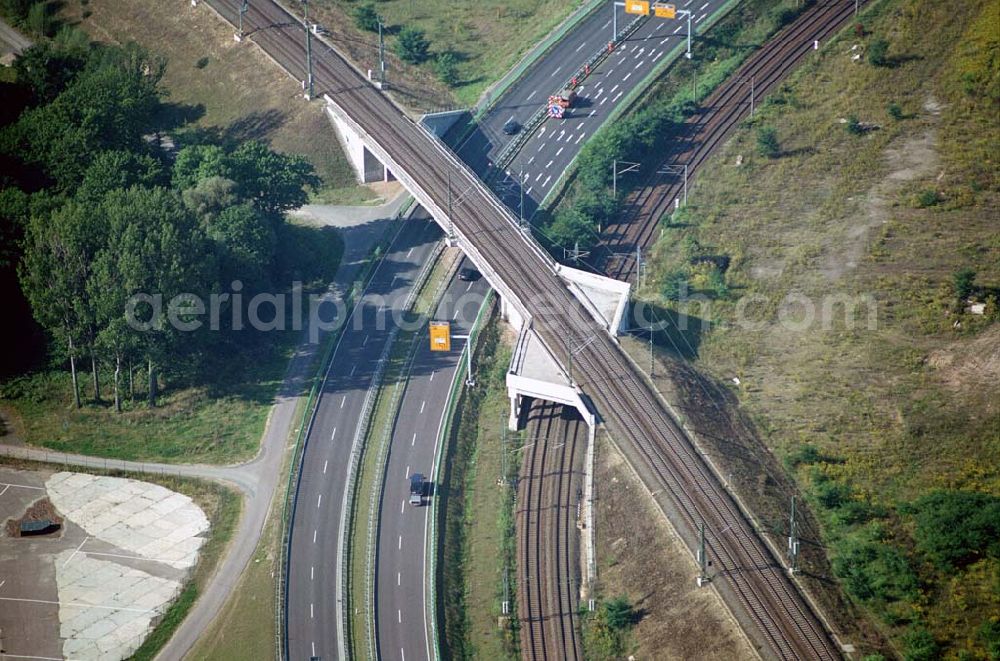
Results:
487 39
868 418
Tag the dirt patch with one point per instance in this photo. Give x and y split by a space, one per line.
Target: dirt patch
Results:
967 364
678 619
39 511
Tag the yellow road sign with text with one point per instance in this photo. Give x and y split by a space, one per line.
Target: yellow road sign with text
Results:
637 7
440 336
661 10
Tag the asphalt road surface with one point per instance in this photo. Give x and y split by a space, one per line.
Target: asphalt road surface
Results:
553 147
403 572
312 571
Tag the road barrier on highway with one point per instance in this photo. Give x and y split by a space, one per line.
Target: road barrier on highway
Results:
442 444
508 153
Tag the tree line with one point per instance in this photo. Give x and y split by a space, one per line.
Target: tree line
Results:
94 210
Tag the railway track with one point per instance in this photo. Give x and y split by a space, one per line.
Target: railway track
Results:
703 133
547 542
783 623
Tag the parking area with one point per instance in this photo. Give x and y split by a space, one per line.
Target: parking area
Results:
95 584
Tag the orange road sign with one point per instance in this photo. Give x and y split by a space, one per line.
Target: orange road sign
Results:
440 336
637 7
661 10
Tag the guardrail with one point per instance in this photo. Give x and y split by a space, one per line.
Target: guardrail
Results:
508 153
309 412
442 444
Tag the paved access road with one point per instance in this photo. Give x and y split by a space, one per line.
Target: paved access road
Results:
312 610
402 605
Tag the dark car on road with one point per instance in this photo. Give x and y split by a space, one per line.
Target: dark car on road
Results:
468 275
511 127
417 482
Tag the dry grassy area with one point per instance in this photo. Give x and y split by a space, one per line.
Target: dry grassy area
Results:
641 557
227 87
870 414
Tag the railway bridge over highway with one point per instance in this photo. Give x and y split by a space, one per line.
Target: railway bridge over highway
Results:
537 295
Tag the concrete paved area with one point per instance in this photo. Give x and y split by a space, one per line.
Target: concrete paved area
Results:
95 588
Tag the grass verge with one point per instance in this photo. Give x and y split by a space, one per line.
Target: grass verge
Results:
832 309
474 521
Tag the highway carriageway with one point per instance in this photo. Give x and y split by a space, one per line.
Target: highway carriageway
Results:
747 571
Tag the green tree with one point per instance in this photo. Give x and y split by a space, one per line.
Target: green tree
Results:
955 528
572 227
197 162
412 45
245 244
273 182
59 249
118 169
446 68
366 18
874 571
878 53
619 613
210 196
920 645
767 142
47 69
964 283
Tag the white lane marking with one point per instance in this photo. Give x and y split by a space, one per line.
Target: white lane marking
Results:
528 98
311 614
614 100
325 463
528 192
627 76
399 578
679 28
76 551
319 500
469 287
314 536
592 113
407 471
638 65
581 137
556 71
314 648
579 48
541 146
422 405
546 182
312 573
2 583
603 100
75 604
658 56
4 490
539 177
414 440
560 149
530 160
613 89
664 40
700 18
433 372
703 7
552 161
541 132
456 316
606 24
353 369
408 253
334 434
639 54
402 506
22 486
399 616
599 92
400 544
364 341
342 401
561 134
610 71
687 3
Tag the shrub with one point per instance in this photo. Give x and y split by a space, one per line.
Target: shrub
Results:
201 63
963 283
955 528
675 286
38 19
895 111
853 125
412 45
874 571
878 53
989 634
920 645
767 142
446 68
572 227
717 283
619 613
927 198
366 18
807 453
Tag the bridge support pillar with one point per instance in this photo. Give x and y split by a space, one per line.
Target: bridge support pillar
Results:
367 167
